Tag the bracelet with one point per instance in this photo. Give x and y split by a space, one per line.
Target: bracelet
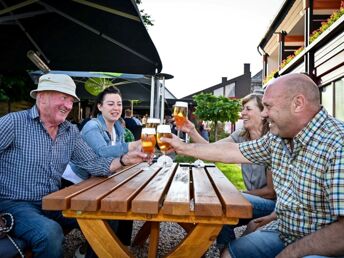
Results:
121 161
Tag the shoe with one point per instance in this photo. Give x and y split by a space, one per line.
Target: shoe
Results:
78 254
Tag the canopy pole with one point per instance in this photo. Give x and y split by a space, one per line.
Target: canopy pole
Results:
151 109
162 110
163 77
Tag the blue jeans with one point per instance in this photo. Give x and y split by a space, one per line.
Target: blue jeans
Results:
259 244
41 230
261 207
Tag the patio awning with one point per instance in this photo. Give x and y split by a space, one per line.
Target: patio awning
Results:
78 35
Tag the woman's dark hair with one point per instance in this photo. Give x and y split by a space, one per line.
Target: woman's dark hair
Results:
101 96
258 98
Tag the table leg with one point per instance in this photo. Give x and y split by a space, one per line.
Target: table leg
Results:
154 240
142 234
103 241
197 242
187 226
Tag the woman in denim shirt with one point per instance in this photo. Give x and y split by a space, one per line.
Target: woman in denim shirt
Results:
104 134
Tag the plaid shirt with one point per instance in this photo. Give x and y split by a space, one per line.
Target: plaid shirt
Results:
309 180
31 163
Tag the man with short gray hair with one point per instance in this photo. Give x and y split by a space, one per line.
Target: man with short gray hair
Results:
35 147
305 150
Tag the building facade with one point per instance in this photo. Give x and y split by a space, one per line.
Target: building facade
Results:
308 36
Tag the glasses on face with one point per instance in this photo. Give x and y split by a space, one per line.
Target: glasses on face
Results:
180 112
148 140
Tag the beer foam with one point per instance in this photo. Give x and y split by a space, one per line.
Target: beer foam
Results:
164 129
153 120
148 131
181 104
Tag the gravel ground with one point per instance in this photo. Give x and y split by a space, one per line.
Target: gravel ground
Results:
170 235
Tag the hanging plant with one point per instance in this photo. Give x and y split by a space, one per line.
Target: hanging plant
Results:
325 25
94 86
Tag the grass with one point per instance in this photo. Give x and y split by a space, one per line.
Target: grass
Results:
231 171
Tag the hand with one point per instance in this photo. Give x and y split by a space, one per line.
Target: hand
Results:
134 157
176 143
254 224
136 145
187 127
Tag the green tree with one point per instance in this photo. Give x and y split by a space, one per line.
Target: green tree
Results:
216 109
13 88
147 19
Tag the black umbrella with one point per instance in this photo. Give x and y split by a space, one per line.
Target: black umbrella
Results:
98 35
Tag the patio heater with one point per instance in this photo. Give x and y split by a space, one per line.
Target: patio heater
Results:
161 96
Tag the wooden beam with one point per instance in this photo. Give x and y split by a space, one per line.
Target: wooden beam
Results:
326 4
294 38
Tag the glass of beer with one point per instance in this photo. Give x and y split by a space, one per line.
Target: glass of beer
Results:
148 140
180 112
164 131
152 122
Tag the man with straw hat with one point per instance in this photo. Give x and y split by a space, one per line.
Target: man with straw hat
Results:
35 148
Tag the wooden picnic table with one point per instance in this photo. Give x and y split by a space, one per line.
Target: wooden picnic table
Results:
199 199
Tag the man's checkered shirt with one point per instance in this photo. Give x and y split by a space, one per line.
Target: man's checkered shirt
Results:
308 179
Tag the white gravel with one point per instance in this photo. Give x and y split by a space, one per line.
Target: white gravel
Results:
170 236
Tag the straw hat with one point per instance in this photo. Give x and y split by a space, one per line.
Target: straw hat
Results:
56 82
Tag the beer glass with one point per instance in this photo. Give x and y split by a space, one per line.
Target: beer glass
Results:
152 123
148 140
164 131
180 112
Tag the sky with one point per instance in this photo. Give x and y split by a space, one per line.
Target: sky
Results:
201 41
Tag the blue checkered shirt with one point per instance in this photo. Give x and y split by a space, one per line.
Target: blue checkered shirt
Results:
308 179
31 163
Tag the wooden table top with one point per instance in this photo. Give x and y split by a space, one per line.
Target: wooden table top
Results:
181 193
201 200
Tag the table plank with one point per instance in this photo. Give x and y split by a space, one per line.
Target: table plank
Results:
235 204
206 201
177 201
119 200
90 200
60 200
150 198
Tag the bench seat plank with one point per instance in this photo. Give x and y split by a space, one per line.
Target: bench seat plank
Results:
206 201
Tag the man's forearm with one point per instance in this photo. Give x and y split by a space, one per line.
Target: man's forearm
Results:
222 152
327 241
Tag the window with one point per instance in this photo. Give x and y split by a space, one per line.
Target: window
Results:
339 99
218 92
230 90
327 98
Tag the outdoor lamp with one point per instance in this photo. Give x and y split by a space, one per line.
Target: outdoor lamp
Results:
37 61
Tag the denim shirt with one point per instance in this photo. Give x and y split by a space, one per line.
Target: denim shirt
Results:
95 134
